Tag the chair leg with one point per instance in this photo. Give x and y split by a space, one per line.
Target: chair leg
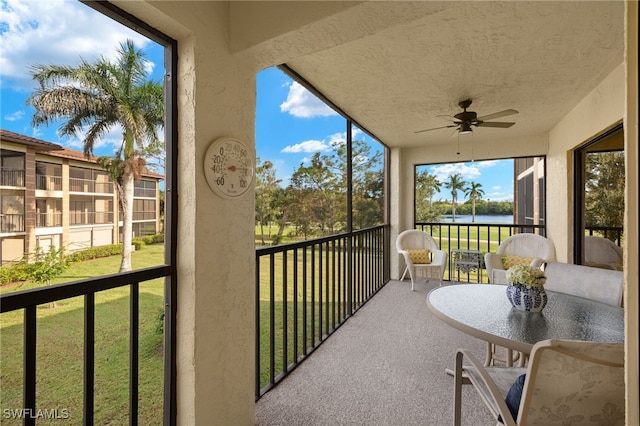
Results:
404 273
411 273
457 390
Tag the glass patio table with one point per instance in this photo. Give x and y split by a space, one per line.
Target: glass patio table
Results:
483 311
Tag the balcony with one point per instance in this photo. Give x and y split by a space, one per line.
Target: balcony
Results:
48 219
90 218
142 215
144 192
90 186
49 183
12 177
11 223
385 366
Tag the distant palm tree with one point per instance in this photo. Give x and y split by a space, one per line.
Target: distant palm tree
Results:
434 186
95 98
474 192
455 184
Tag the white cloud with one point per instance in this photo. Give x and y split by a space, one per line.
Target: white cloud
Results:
302 103
15 116
467 172
55 32
498 196
307 146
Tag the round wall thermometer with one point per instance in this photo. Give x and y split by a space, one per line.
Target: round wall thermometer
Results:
228 167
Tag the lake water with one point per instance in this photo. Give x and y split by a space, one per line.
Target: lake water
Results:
463 218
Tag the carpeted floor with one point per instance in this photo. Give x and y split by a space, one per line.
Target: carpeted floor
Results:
385 366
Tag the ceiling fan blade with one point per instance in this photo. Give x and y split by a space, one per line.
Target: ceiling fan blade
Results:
500 124
498 114
436 128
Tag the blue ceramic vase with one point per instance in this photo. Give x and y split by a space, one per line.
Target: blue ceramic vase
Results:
529 299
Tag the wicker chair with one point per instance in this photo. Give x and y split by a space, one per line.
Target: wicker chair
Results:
602 253
535 249
420 251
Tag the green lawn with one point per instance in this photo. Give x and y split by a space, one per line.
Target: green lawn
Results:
60 348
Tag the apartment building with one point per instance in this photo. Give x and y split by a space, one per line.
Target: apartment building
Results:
55 196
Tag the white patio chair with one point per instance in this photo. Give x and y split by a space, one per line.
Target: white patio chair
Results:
602 285
420 251
602 253
567 382
530 249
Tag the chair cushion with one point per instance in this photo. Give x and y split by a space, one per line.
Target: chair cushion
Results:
512 260
419 256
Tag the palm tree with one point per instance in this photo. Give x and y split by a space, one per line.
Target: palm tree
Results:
94 98
474 192
455 184
434 185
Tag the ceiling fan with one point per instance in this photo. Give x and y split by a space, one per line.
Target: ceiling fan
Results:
463 121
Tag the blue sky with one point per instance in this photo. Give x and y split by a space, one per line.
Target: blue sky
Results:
291 123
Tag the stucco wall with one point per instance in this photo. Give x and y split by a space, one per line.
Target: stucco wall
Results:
631 218
599 110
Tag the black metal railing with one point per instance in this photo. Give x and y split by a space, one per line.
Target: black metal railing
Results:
610 232
305 291
28 301
483 237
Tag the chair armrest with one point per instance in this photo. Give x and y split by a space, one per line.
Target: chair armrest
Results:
537 262
488 390
439 257
493 261
406 257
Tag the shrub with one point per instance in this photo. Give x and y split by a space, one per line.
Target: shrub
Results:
96 252
138 243
14 273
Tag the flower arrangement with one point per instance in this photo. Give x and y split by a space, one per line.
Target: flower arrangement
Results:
525 276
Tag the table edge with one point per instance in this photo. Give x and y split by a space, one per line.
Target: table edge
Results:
488 337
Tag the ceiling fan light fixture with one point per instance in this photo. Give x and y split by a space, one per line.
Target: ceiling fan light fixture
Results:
465 128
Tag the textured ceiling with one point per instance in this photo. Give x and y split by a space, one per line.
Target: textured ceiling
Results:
540 58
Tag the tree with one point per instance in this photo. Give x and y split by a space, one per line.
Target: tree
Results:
47 265
266 187
367 182
604 189
474 192
455 184
317 196
427 185
96 97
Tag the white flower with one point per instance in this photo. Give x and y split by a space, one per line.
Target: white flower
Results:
525 276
